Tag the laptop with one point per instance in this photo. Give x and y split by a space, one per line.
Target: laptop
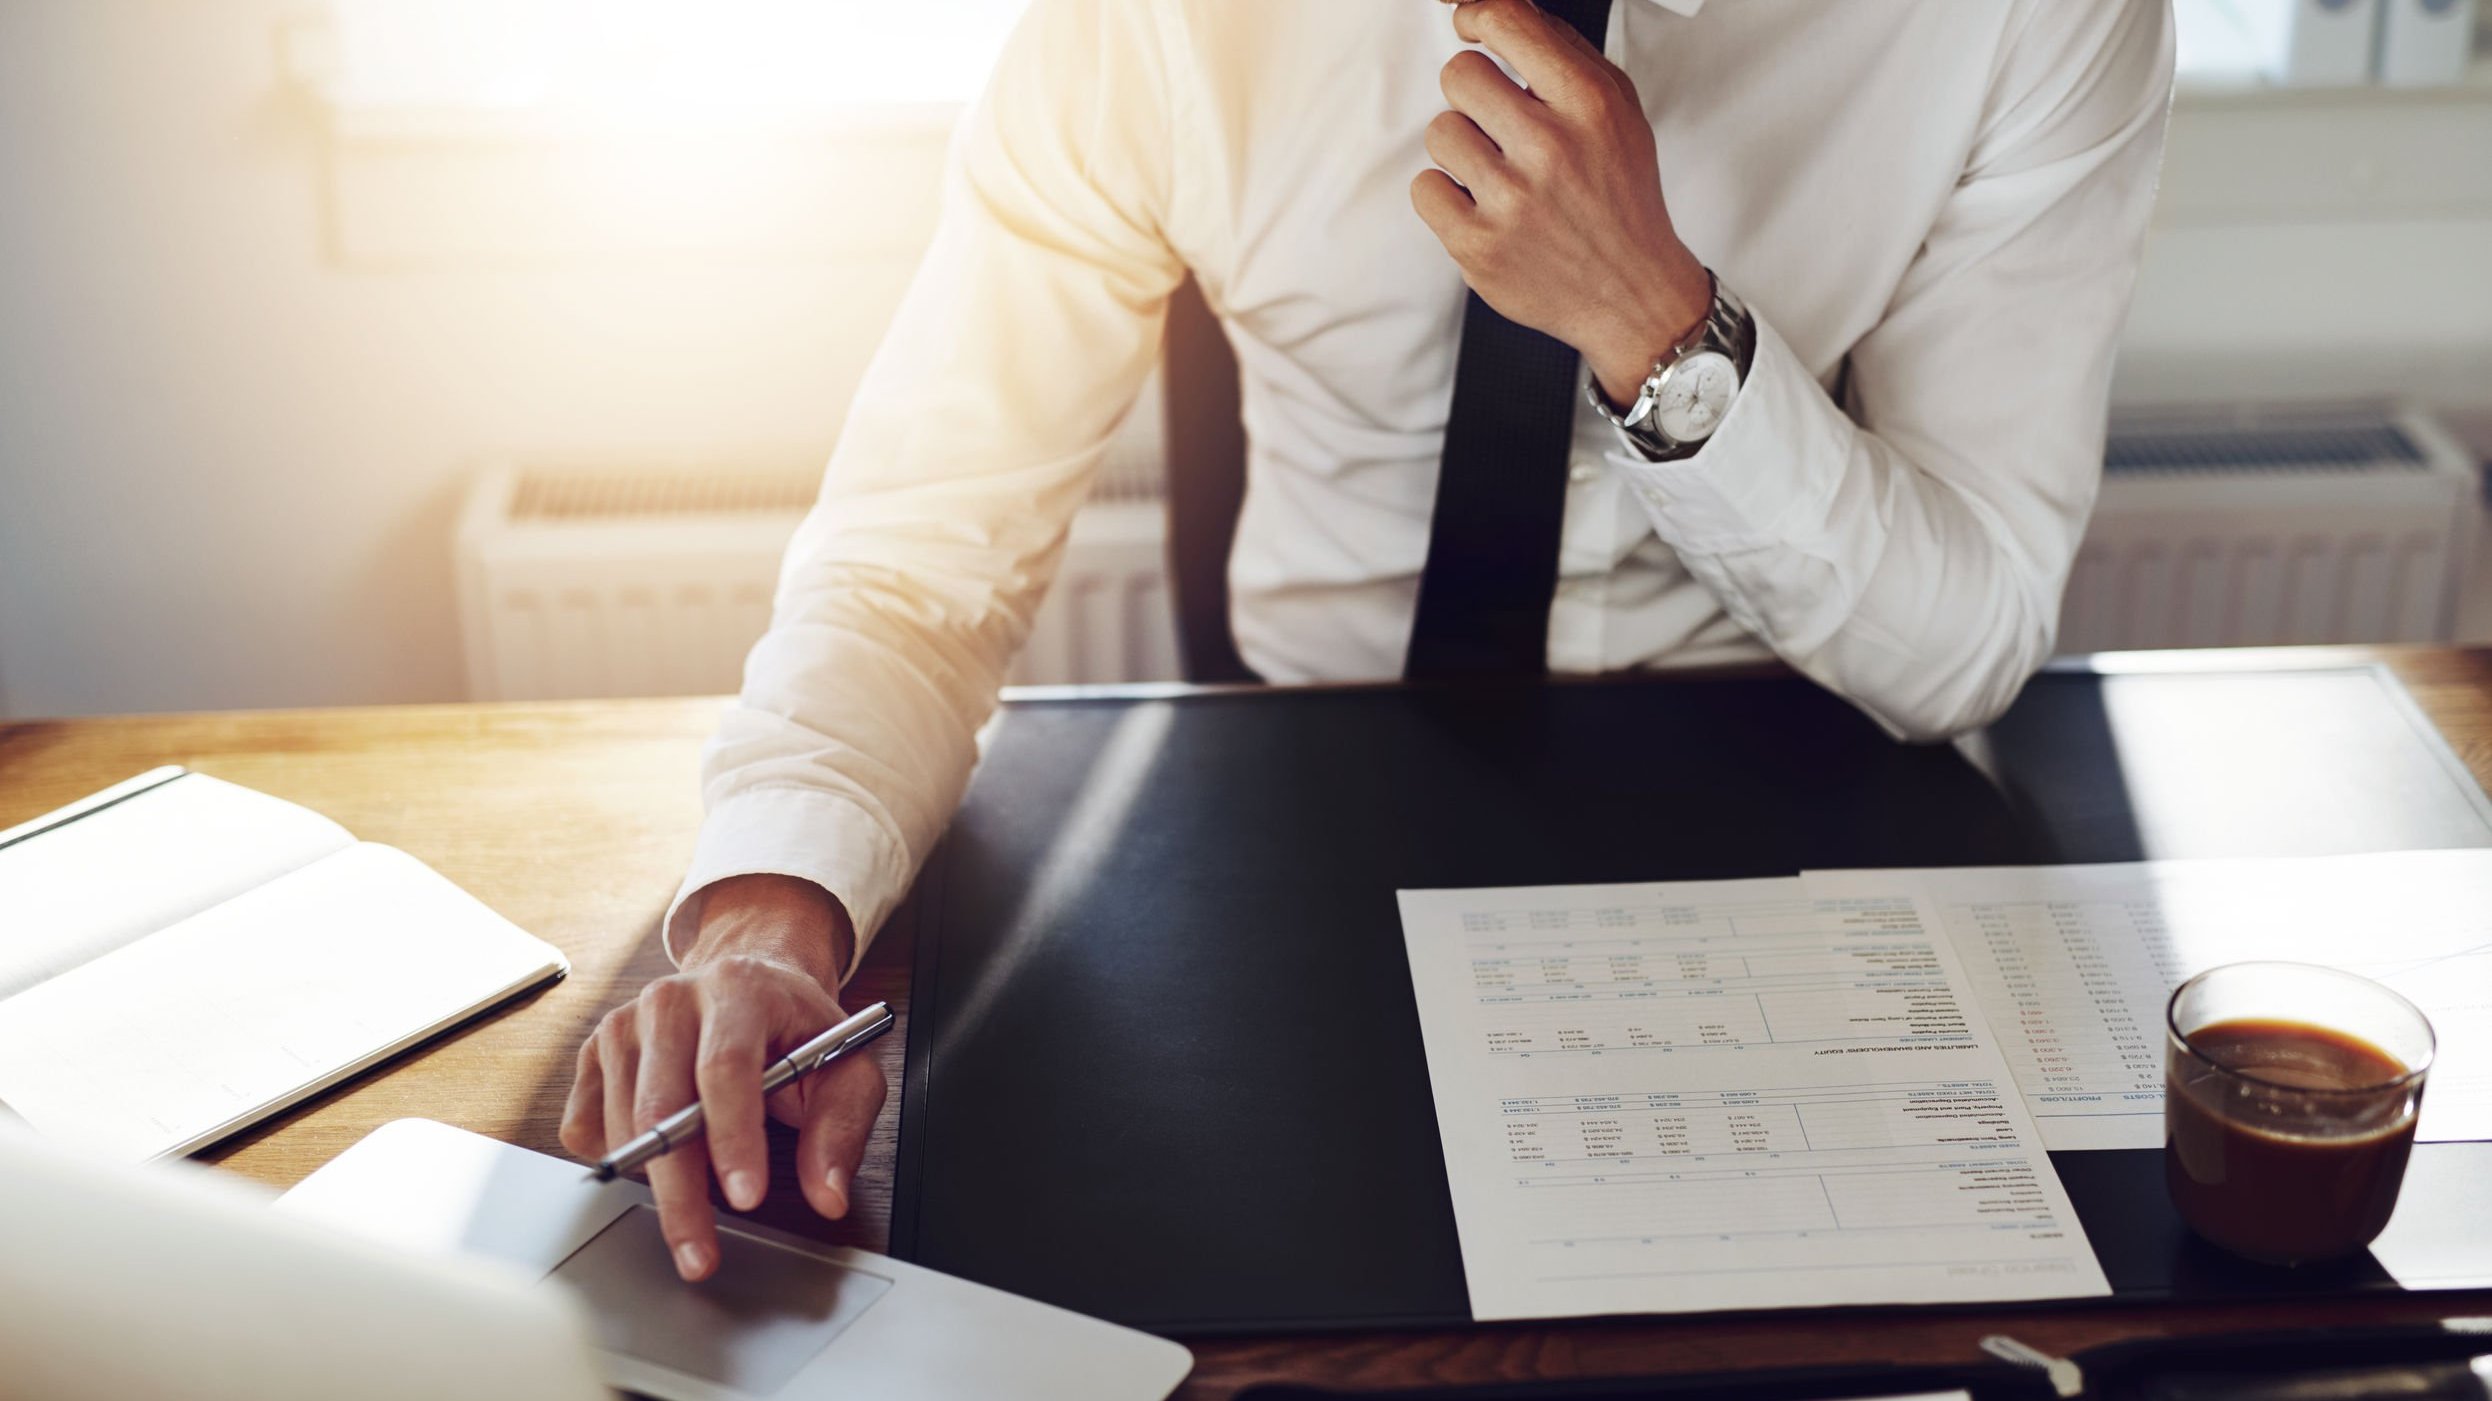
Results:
178 1283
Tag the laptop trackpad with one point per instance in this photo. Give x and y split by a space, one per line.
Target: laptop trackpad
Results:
751 1326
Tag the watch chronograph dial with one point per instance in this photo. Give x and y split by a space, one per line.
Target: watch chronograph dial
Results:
1695 396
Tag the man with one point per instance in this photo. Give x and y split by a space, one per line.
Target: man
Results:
1843 281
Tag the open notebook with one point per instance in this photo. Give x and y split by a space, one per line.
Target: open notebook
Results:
181 958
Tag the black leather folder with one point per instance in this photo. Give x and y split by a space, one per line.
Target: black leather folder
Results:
1164 1065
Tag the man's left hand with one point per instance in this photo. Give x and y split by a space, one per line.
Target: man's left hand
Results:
1549 196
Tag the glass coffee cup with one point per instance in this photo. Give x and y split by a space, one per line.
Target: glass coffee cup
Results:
2290 1098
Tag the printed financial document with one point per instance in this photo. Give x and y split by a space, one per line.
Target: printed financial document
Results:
2073 966
1725 1095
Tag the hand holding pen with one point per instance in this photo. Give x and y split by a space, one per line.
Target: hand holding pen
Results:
760 979
686 1124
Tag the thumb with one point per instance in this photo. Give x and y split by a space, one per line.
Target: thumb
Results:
834 1113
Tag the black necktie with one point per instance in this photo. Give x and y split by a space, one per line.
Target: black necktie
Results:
1501 489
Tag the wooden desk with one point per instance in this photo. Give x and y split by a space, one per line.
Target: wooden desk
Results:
575 819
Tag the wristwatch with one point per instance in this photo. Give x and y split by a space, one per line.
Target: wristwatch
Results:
1692 386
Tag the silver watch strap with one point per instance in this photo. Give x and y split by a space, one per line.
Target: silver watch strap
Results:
1727 329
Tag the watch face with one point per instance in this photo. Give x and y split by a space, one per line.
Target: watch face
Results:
1695 395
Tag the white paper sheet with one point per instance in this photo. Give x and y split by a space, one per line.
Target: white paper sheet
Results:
2073 965
1674 1098
174 1040
87 887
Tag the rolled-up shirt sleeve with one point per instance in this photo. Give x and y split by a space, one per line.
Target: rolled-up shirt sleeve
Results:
1910 554
1021 344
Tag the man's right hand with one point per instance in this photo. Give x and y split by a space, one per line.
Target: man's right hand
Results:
761 977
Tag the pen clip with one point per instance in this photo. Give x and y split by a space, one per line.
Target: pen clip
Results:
824 1055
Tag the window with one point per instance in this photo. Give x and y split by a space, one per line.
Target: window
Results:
471 131
631 63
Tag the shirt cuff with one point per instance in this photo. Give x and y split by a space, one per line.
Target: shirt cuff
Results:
1780 451
821 837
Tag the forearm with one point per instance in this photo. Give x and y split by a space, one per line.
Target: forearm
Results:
1873 576
1941 632
1865 561
845 756
1908 547
1022 343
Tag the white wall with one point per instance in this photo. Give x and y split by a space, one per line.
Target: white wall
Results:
228 464
229 457
2320 242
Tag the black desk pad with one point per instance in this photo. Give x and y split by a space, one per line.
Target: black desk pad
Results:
1164 1064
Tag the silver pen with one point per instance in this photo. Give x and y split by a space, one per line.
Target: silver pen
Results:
684 1125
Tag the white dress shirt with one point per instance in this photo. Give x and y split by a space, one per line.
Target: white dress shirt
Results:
1946 196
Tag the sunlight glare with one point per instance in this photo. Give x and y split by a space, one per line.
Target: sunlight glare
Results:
667 62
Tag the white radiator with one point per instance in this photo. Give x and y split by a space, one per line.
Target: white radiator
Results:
652 582
2237 528
2213 530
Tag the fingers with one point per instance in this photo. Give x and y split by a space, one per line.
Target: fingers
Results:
834 1111
709 1033
618 1063
728 1071
1456 143
1474 87
618 1091
669 1029
1584 48
583 1114
1596 66
1555 61
1443 206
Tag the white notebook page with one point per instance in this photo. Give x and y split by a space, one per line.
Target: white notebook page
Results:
168 1043
89 886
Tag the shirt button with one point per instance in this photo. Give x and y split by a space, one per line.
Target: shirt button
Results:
1583 473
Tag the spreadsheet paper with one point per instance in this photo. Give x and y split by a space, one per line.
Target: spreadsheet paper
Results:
2073 966
1679 1097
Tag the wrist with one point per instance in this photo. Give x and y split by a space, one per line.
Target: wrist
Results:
783 919
1644 333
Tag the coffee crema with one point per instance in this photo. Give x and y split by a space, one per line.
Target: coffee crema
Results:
2288 1143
